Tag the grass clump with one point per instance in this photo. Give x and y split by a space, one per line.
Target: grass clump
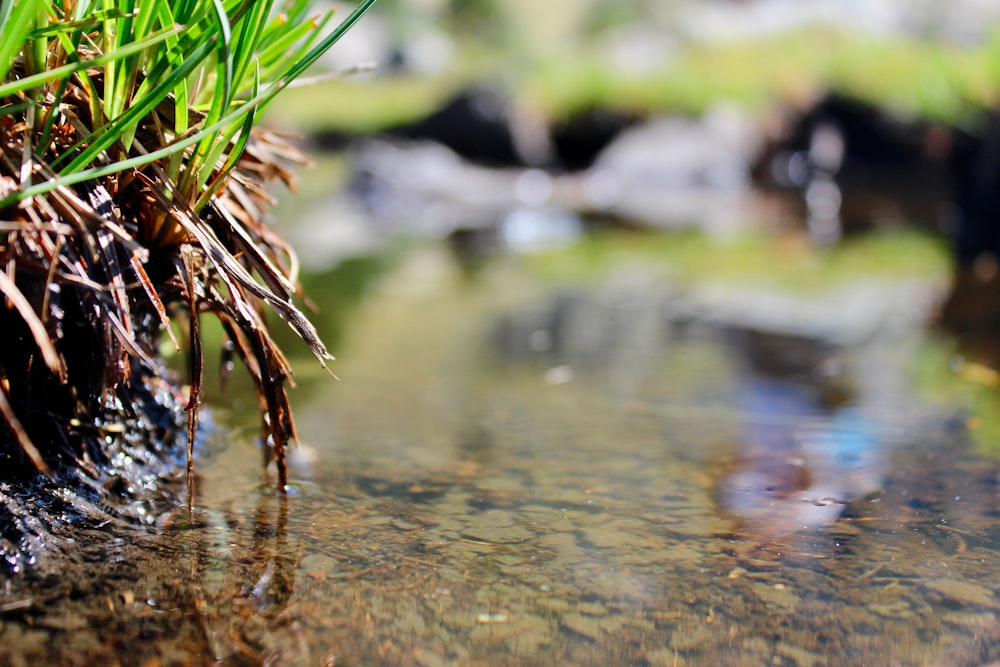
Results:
132 198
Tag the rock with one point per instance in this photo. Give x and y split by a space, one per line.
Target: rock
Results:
580 138
496 527
963 592
474 123
677 172
691 635
583 625
897 609
775 595
799 656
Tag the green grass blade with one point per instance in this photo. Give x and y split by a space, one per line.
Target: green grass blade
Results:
78 172
18 22
236 148
147 15
6 8
201 164
41 78
87 22
172 57
119 127
82 9
120 74
246 42
225 53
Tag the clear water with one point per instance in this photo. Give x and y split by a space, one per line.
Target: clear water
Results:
534 467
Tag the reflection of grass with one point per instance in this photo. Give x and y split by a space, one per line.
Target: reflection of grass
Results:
337 293
785 262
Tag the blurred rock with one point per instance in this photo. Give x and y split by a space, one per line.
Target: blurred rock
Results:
425 188
679 172
855 166
975 168
669 172
579 139
481 125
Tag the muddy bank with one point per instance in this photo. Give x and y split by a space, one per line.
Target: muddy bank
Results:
130 472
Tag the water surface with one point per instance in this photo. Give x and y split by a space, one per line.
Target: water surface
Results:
531 467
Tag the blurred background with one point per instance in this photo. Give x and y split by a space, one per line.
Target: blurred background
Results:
714 116
794 145
667 333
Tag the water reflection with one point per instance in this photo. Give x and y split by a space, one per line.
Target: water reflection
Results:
808 446
207 588
240 577
630 471
808 443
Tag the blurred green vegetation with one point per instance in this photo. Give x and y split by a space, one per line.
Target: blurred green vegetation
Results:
550 59
547 56
909 77
783 262
944 377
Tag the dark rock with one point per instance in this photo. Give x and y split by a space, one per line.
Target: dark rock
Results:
474 123
975 169
578 139
133 481
872 138
856 165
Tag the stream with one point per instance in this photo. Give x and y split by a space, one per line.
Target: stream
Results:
579 457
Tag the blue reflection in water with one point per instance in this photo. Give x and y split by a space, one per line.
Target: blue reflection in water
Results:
803 458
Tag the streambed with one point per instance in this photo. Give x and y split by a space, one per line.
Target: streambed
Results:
529 466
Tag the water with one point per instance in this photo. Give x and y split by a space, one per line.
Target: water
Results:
577 461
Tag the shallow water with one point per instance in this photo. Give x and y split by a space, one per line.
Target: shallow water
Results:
538 467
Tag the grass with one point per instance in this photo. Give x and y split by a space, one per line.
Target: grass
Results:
132 201
365 106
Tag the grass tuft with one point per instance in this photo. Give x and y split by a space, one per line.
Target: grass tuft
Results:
132 197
